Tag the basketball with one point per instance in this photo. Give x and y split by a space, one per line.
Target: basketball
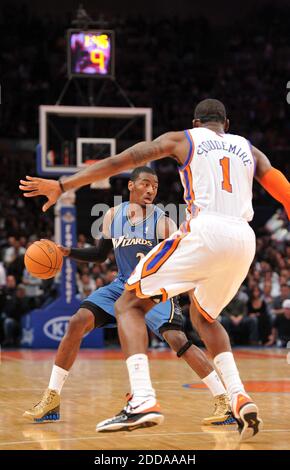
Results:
43 259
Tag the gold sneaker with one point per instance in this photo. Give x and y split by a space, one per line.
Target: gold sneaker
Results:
47 409
222 412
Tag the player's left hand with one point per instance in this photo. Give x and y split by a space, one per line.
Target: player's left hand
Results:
64 249
41 187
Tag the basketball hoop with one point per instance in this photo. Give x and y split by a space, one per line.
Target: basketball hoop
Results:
101 184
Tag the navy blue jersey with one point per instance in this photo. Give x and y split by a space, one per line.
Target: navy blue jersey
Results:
133 241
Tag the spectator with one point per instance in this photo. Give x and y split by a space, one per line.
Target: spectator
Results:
278 301
242 329
10 286
82 242
33 287
13 251
99 283
2 275
9 252
86 292
110 276
273 278
96 271
267 295
14 307
281 328
257 308
85 285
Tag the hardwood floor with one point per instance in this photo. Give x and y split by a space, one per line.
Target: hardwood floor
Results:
96 387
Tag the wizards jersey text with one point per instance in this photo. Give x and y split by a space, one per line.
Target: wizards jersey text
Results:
132 242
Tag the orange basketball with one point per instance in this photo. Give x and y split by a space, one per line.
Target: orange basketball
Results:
43 259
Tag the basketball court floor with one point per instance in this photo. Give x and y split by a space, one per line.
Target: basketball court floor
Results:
95 391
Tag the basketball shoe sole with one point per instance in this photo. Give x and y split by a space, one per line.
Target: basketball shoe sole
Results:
129 421
247 414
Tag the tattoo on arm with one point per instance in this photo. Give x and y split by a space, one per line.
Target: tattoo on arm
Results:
145 152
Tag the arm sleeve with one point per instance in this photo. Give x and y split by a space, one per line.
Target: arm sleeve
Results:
278 186
96 254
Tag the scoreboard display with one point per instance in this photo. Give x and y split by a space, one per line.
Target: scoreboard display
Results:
90 53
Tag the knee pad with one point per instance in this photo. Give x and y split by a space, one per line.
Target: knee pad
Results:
184 348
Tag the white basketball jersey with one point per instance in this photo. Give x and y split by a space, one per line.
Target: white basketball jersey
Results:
218 174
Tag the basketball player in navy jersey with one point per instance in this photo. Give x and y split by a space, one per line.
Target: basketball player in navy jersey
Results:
209 257
132 229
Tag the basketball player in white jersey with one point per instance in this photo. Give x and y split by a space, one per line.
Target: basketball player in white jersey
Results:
209 256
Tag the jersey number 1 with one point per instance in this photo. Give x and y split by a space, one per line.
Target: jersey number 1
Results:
226 184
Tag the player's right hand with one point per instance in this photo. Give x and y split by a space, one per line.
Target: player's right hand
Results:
64 249
41 187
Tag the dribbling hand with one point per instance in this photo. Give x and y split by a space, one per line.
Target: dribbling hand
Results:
64 250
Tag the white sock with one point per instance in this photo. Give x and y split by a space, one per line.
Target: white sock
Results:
57 378
140 381
214 383
227 368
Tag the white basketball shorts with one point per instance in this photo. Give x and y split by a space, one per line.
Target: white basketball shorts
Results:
212 259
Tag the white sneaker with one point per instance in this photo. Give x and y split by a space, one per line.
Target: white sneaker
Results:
246 413
130 418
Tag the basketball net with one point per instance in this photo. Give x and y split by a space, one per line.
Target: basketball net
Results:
101 184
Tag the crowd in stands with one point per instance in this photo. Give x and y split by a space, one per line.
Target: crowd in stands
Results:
258 315
169 64
247 67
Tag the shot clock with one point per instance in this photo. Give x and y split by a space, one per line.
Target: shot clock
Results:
90 53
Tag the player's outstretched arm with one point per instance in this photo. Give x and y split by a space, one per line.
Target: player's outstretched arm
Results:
170 144
272 180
